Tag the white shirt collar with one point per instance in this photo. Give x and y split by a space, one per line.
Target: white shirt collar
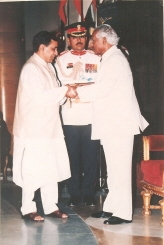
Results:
39 59
109 52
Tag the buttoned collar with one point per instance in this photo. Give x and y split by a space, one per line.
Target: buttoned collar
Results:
109 52
82 52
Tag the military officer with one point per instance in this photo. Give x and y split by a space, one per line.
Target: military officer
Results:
74 66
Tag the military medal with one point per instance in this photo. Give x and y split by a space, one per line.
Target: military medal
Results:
70 65
90 68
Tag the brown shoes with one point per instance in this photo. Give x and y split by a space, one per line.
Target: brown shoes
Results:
58 214
33 217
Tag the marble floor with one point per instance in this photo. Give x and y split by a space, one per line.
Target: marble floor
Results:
79 229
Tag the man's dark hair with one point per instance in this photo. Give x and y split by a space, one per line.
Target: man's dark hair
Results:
43 37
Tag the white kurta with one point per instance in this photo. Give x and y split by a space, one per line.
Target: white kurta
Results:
86 71
40 153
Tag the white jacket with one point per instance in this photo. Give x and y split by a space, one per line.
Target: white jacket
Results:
115 110
77 113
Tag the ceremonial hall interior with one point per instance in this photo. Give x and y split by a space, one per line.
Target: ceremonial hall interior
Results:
139 24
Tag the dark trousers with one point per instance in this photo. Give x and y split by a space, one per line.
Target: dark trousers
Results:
83 155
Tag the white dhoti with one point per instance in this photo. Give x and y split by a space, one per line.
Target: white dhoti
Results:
40 164
118 154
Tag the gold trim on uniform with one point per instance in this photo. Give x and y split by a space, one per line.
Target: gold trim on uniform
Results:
77 67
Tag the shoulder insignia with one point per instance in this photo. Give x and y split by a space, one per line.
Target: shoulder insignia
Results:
64 52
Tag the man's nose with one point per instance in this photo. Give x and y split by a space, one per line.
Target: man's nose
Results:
79 38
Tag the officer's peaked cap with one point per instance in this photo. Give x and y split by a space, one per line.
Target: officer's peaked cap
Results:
77 29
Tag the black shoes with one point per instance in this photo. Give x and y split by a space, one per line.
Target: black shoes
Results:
102 215
74 201
116 221
112 220
89 200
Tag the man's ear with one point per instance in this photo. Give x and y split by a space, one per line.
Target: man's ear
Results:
41 47
68 41
104 40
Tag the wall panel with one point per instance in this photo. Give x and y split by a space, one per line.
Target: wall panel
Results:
12 55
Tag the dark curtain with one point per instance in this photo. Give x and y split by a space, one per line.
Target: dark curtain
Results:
140 28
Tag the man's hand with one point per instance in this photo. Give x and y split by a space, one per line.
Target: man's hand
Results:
84 84
71 92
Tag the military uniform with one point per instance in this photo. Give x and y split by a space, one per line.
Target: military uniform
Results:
79 67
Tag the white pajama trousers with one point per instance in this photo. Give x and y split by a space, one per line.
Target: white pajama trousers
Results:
49 196
118 153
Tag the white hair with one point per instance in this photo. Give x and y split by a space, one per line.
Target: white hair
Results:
108 32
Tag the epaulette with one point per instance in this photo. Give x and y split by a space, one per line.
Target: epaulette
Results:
64 52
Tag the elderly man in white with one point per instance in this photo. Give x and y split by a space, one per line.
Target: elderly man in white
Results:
116 119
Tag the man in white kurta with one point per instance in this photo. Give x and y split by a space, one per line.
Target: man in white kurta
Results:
116 119
40 155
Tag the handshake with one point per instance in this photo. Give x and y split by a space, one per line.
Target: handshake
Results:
71 92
